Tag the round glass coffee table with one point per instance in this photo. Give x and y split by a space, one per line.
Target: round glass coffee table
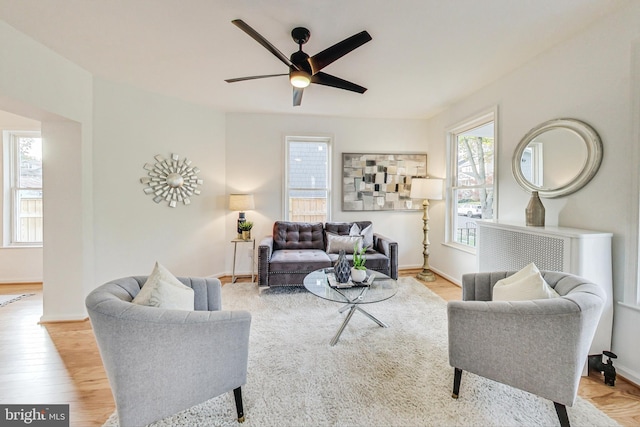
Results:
381 288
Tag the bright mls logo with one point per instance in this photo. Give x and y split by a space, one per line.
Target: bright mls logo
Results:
34 415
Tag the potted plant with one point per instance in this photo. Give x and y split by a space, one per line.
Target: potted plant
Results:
246 227
358 271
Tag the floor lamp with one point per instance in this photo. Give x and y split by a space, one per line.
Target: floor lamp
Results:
426 189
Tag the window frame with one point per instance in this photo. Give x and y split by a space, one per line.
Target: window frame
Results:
286 189
11 169
475 121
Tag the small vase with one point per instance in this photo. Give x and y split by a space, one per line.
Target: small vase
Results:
246 234
535 211
358 275
341 268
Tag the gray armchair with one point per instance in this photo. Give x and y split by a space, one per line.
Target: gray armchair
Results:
160 362
539 346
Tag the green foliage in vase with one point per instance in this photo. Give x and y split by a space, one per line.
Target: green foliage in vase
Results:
246 226
359 258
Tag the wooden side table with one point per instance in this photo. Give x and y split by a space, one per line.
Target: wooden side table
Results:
235 250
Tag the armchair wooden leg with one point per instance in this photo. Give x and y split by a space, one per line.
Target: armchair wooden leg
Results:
561 410
237 394
457 375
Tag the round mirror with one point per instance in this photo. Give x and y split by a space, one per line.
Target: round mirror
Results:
557 157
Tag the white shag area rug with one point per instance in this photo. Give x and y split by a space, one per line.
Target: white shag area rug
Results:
396 376
8 299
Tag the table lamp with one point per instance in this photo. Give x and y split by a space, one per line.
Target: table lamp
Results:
241 203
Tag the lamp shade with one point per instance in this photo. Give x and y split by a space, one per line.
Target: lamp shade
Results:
241 202
426 188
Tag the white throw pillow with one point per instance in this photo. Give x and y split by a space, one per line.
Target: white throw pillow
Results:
526 271
163 290
366 233
527 284
336 242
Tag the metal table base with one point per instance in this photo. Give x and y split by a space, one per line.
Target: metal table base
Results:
352 306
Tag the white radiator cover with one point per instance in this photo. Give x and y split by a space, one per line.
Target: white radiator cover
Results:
504 246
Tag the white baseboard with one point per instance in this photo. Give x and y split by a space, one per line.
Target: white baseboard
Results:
435 270
628 374
62 319
446 276
20 281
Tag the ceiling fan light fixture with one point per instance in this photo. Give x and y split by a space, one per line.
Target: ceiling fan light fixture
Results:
305 69
299 78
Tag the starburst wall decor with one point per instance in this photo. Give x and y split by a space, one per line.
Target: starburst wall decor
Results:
172 180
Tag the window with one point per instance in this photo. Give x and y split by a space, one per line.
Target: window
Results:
471 193
23 161
307 179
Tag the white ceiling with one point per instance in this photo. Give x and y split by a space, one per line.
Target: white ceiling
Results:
425 54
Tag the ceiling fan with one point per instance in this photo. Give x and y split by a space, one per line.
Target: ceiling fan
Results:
303 69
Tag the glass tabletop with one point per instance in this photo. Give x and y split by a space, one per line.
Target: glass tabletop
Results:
383 287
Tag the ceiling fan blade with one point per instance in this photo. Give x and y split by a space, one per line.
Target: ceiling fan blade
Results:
264 42
241 79
337 51
333 81
297 96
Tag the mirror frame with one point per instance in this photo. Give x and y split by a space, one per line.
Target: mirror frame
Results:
591 166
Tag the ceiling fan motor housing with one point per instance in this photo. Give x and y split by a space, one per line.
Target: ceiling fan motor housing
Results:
299 58
300 35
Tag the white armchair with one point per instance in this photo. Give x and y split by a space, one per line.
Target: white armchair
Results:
539 346
160 362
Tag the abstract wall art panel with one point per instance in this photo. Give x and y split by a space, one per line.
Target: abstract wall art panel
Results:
380 182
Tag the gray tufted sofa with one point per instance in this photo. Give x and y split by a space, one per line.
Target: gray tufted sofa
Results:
539 346
295 249
160 362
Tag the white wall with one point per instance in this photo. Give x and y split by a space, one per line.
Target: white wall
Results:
17 264
131 232
589 78
255 155
41 85
67 242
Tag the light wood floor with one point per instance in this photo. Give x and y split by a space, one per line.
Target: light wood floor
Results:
60 363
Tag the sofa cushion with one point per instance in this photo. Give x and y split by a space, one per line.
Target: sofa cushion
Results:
366 234
297 235
299 260
343 228
375 260
337 243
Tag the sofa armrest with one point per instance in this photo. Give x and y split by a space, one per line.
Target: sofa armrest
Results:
265 249
388 247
